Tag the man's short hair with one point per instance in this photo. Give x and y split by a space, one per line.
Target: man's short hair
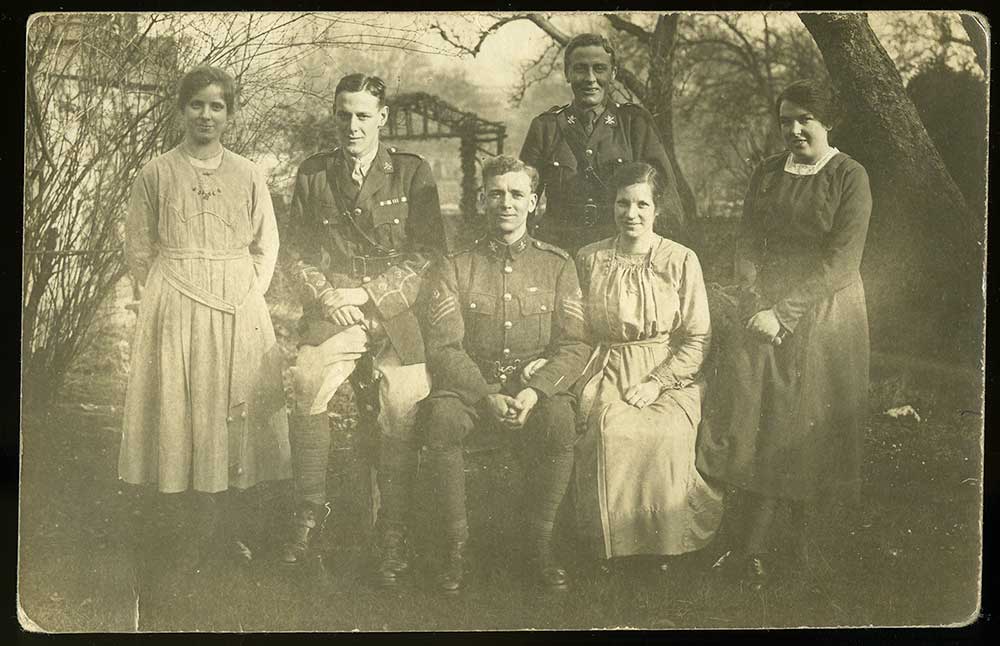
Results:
503 164
588 40
362 83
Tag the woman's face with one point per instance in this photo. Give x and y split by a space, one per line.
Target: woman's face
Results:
205 115
804 134
635 211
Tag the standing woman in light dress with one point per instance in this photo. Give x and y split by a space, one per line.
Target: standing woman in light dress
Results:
204 409
638 491
785 423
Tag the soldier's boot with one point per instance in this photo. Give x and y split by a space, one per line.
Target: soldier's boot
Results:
393 558
307 525
547 571
449 580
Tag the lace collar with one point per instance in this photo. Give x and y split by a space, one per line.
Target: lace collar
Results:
795 168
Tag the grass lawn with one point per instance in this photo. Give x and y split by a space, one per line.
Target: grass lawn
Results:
908 556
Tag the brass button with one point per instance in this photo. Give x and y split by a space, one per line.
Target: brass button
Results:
395 221
545 308
325 221
508 269
507 297
507 325
366 279
239 471
506 351
243 414
357 211
229 419
589 151
503 378
555 163
472 306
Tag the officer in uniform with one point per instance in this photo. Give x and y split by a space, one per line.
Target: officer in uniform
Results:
505 337
365 222
578 147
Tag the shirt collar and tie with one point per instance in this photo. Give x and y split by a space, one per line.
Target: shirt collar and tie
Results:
589 115
361 165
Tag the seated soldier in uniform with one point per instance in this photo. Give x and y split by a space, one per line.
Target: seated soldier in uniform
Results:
496 312
365 222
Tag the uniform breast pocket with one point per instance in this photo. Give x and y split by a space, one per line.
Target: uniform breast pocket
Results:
536 317
389 218
326 214
482 328
559 169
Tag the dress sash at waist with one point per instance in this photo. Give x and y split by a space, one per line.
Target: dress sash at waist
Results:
187 253
241 368
594 370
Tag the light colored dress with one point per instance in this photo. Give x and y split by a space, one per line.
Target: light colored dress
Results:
638 491
204 408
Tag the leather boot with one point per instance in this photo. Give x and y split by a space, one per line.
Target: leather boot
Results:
453 569
392 558
547 571
307 525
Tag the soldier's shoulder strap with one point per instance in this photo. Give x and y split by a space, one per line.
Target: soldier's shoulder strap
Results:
317 161
396 152
545 246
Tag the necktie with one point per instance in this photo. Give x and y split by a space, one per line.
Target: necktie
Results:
356 175
590 118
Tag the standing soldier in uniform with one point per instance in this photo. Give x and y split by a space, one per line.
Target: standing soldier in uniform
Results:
505 339
365 220
578 147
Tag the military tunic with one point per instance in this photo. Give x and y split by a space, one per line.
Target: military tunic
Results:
493 309
576 171
380 236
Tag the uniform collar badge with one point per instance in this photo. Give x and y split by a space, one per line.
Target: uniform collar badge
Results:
609 119
387 167
570 119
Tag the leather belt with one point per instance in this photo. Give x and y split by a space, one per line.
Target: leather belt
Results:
368 266
502 370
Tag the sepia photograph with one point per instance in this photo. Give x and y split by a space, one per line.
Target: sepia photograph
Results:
502 321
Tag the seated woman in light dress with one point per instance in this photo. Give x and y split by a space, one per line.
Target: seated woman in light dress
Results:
204 408
637 489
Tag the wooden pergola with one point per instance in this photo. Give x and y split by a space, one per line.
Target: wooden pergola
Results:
421 116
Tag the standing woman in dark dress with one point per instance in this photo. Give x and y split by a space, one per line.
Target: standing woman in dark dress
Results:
785 420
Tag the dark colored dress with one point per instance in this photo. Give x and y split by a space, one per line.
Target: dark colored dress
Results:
787 420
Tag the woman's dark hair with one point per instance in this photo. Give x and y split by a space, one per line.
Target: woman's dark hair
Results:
814 97
588 40
638 173
362 83
198 78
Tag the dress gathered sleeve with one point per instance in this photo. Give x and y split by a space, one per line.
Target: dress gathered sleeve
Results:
449 364
264 246
691 337
841 252
569 349
141 226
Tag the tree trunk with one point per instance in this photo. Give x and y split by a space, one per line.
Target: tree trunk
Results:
923 264
976 31
660 101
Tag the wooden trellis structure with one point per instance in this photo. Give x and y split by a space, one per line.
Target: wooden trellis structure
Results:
418 115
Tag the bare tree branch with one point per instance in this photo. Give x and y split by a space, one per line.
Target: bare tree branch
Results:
627 27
